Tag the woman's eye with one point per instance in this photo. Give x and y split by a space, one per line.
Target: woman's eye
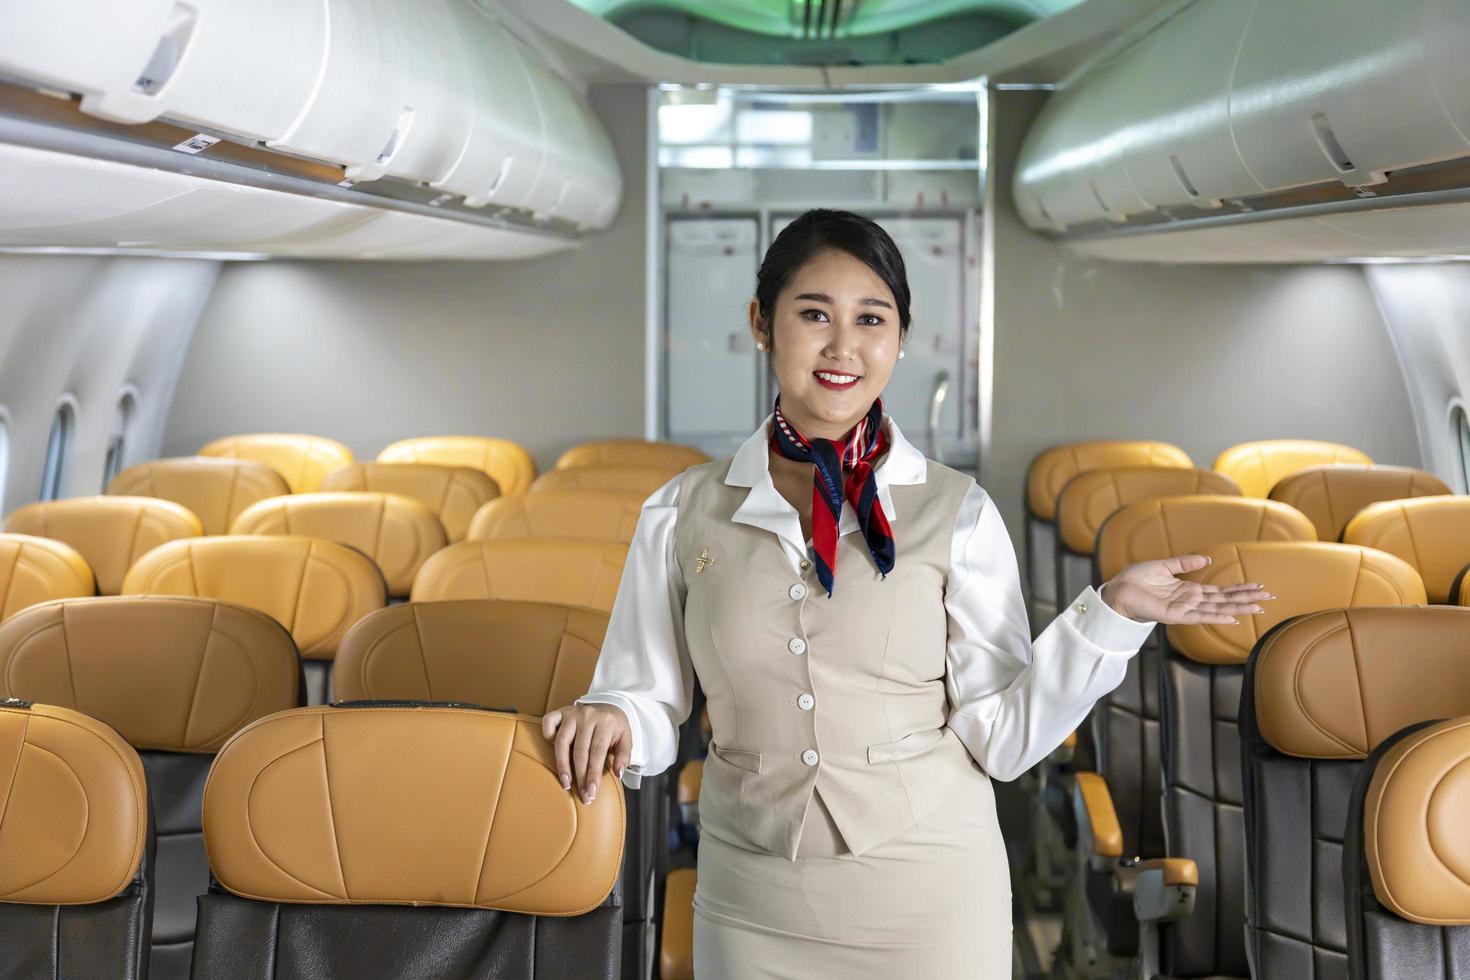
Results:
814 313
872 319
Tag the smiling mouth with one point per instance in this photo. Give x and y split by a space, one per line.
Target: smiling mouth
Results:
836 380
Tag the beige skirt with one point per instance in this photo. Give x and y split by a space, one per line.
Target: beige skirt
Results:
932 903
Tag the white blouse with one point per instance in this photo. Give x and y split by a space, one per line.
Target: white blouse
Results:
1012 700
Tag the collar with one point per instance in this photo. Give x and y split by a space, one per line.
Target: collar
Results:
764 507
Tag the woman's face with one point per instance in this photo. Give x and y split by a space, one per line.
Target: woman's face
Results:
834 338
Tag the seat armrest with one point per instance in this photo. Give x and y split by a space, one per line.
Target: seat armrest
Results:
1099 836
1164 889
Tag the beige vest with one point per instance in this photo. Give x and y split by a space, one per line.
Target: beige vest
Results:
871 658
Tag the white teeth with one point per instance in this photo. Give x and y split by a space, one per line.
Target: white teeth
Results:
837 379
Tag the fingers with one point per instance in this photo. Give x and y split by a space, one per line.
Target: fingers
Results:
564 736
622 754
581 746
1184 564
550 723
596 756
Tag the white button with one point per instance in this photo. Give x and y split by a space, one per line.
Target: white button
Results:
1082 607
805 702
797 591
809 757
796 645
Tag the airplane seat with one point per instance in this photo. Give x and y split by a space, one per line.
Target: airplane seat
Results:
639 480
1045 477
589 515
315 588
632 452
1331 495
559 570
1321 692
506 462
454 493
1408 898
174 677
397 533
110 533
1203 796
676 945
301 460
76 858
214 490
1460 588
363 840
1259 466
1430 533
35 569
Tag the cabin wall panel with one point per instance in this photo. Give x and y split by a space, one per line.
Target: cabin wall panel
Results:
548 351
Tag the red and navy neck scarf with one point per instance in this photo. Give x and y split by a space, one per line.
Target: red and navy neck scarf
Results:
854 456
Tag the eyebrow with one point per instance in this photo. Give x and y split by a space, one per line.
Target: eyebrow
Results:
865 301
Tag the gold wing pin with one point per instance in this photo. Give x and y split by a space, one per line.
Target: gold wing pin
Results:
703 560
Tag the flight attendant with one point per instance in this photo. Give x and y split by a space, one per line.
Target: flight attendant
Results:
854 615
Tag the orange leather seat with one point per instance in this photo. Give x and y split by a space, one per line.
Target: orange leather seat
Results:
110 533
562 571
214 490
36 570
506 462
638 480
397 533
1430 533
1259 466
1153 529
571 514
632 452
454 493
1092 497
1332 495
676 953
301 460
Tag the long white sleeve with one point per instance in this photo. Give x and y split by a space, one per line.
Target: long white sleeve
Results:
644 667
1014 700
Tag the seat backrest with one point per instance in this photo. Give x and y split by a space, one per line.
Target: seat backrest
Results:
641 480
1321 692
302 460
109 532
1460 588
506 462
595 516
175 677
1152 529
454 493
632 452
1408 887
558 570
1259 466
350 840
1331 495
214 490
397 533
36 570
1204 667
316 589
1430 533
76 847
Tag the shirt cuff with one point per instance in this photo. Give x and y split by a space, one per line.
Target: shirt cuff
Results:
1103 626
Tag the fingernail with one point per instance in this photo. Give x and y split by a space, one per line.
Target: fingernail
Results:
566 781
1235 622
591 792
619 772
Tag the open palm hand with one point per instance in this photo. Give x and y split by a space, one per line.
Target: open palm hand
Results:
1152 590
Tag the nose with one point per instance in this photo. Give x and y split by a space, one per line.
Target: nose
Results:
840 342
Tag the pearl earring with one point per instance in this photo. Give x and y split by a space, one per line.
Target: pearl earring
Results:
760 345
900 355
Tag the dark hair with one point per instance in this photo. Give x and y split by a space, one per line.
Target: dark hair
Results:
820 229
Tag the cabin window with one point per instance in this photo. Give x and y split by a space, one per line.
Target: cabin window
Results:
118 440
55 474
1461 423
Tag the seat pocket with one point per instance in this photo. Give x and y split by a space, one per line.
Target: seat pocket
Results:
739 758
912 744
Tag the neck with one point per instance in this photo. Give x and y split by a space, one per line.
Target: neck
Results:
815 428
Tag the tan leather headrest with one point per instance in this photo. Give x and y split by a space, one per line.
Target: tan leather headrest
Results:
174 674
1153 529
75 805
407 806
1461 590
632 452
1090 498
301 459
454 493
1308 577
1331 495
109 532
1051 469
530 656
1334 684
36 570
1430 533
214 490
508 463
1414 826
398 533
316 589
638 480
558 570
1259 466
597 516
